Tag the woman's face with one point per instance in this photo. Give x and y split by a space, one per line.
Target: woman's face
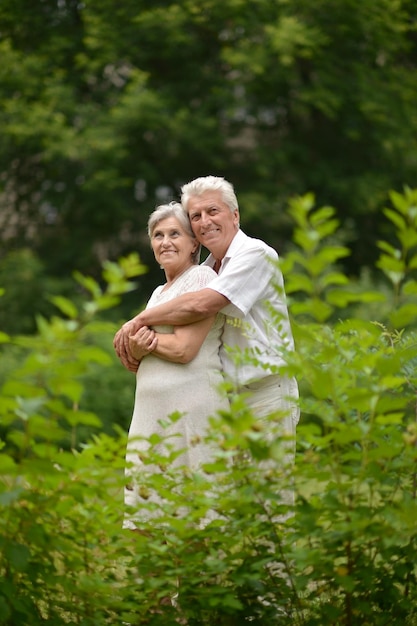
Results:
172 246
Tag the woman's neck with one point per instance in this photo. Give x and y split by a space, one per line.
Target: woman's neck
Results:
171 277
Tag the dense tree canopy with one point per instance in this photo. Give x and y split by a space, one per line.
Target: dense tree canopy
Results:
107 107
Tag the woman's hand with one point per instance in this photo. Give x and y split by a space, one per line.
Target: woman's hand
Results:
121 344
142 342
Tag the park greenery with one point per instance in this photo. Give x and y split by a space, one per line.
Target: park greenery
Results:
348 553
309 109
107 107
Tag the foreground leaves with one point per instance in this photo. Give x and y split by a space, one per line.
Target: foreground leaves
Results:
225 541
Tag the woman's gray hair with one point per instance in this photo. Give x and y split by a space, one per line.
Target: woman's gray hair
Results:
173 209
200 185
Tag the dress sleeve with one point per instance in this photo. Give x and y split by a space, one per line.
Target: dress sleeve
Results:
153 300
199 278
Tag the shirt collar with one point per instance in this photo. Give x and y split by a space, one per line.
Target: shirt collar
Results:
234 245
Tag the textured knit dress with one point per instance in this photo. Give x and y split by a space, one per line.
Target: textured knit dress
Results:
164 388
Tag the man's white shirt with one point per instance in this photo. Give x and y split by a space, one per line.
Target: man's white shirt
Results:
250 279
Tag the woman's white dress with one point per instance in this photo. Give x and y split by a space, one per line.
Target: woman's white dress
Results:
164 388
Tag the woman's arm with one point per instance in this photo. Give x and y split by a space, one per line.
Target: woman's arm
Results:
188 309
180 346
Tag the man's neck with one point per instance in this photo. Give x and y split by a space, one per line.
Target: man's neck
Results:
217 265
220 253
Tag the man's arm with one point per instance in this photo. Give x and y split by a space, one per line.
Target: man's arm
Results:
186 309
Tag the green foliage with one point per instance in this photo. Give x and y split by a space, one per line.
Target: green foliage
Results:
225 539
52 365
108 391
354 530
25 282
106 109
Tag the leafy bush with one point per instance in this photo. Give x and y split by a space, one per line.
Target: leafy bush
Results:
224 540
355 539
25 282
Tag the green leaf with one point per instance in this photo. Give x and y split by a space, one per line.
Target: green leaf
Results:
89 284
94 354
18 556
5 610
7 463
85 418
410 288
316 309
4 338
65 306
299 282
333 278
396 219
389 249
412 263
404 316
408 239
71 389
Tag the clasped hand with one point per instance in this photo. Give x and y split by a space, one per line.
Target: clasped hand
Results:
132 345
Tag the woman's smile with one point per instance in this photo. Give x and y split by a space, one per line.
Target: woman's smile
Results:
173 247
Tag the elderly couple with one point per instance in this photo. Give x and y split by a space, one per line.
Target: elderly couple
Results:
186 340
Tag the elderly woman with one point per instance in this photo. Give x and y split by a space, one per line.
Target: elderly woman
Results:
179 367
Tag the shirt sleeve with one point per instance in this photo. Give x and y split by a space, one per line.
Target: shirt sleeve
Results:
245 279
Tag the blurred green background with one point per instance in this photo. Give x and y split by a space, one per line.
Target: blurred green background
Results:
107 108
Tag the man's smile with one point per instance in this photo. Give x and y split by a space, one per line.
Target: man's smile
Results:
208 231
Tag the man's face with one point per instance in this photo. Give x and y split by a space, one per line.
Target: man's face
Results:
213 223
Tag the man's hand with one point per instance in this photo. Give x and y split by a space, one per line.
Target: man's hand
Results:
121 344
